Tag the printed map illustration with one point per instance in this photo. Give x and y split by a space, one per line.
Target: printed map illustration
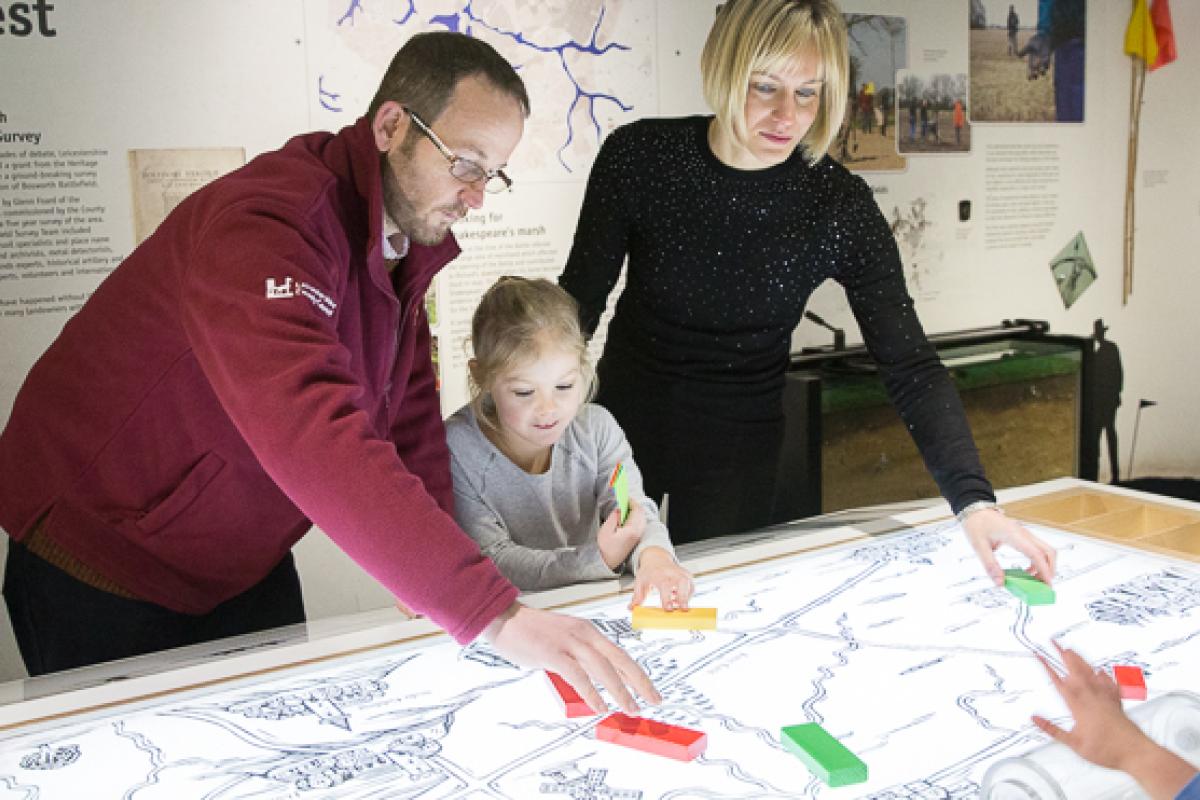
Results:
588 65
920 250
896 644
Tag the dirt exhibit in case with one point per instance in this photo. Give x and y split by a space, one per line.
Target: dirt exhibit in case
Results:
1024 415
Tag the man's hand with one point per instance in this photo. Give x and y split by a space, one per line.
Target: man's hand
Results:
574 649
987 529
617 541
1038 52
1104 735
656 569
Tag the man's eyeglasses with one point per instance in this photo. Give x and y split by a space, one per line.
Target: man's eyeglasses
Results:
464 169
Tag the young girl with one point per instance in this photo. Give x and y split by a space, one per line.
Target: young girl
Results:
532 459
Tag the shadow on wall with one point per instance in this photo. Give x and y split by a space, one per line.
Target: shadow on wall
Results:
1108 381
1107 384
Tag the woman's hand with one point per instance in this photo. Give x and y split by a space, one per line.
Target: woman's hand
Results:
987 529
658 570
616 541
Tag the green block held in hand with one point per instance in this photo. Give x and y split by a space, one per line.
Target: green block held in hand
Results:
1028 588
620 487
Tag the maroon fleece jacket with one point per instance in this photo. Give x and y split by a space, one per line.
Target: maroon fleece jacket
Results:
248 371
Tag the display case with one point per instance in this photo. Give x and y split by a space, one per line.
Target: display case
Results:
1025 393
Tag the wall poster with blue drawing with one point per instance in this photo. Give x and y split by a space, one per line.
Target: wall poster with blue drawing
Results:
588 65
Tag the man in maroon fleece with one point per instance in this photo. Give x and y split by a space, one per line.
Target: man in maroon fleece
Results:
262 364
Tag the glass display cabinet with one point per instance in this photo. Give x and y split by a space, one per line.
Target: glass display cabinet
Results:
1025 393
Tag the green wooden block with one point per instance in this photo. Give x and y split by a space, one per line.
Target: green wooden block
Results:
620 487
1028 588
825 756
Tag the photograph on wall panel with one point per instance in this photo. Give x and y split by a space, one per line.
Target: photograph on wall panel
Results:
1027 60
932 113
878 48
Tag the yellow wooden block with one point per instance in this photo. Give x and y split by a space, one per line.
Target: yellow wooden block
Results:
693 619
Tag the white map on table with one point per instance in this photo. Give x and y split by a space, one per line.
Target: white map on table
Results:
897 646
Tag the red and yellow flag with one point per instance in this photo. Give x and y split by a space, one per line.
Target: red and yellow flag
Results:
1164 34
1149 35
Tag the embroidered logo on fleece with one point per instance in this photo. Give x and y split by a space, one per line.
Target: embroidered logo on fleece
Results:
293 288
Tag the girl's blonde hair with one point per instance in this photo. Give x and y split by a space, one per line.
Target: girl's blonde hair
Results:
515 320
752 36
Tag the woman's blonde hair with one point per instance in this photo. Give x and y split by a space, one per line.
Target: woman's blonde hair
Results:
515 320
752 36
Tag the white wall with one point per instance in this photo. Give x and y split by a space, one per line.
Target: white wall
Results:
1159 328
219 73
123 75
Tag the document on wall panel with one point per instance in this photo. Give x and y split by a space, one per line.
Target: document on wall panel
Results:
530 239
57 238
1022 191
160 179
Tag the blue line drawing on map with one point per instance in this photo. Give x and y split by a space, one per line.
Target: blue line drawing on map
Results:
451 22
47 758
405 752
355 7
572 781
409 14
329 99
1163 594
581 95
399 723
465 20
484 654
329 703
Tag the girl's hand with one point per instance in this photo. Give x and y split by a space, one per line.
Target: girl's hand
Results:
1104 735
616 542
658 570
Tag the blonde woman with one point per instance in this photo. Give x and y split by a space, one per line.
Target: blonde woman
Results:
729 222
531 459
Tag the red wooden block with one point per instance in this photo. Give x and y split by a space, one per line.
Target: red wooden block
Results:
659 738
1131 682
573 704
